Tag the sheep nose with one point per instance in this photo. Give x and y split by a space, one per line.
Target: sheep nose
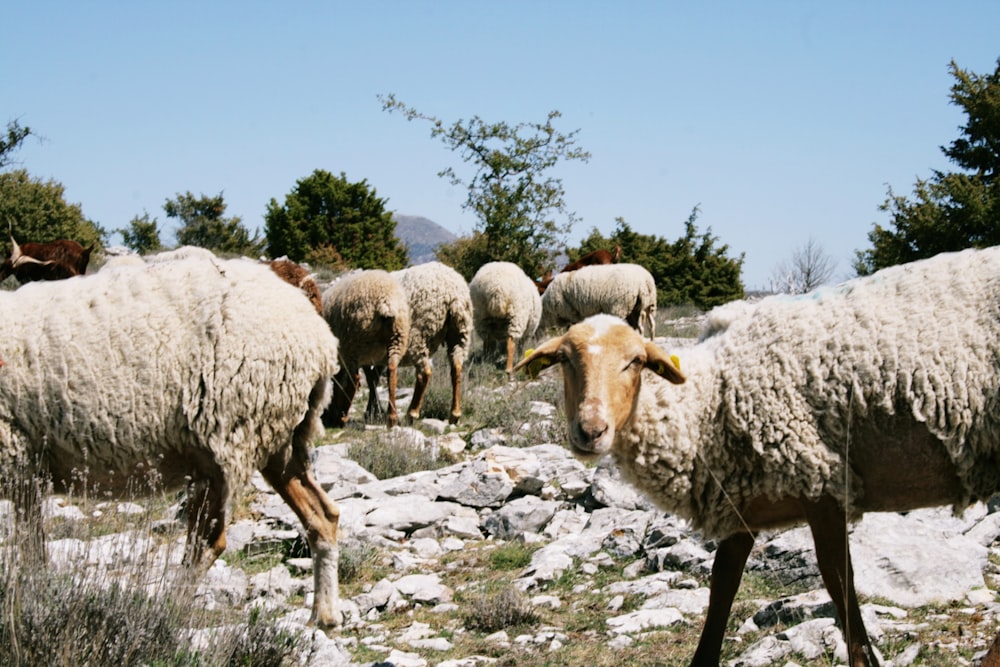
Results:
590 432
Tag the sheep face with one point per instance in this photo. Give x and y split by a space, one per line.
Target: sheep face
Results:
602 359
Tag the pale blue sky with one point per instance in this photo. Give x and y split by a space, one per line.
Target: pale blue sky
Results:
782 121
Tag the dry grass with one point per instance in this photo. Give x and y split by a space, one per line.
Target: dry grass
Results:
134 607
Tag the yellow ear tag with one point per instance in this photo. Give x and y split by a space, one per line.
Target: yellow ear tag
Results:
536 366
675 360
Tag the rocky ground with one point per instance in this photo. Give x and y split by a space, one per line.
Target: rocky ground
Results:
598 575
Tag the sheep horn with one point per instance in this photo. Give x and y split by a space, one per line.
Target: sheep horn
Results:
28 259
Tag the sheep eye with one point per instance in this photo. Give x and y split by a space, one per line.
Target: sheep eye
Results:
637 362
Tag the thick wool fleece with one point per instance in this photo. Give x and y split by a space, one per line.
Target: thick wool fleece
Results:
440 311
627 291
160 367
505 302
369 313
780 392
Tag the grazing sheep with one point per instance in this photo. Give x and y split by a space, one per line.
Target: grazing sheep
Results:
627 291
440 312
880 394
370 315
181 252
54 260
153 377
592 258
506 307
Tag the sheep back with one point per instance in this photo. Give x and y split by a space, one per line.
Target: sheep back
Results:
781 393
505 302
369 313
627 291
440 311
163 365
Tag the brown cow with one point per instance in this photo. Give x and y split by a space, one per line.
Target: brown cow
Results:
54 260
297 275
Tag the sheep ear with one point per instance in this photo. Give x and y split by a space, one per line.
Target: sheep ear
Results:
668 368
535 361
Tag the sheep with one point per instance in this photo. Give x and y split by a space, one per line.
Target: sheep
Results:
625 290
370 315
880 394
181 252
592 258
182 374
506 307
54 260
440 312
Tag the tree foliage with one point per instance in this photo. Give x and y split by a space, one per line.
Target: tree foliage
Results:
950 210
16 134
37 211
691 270
203 224
142 235
328 220
521 210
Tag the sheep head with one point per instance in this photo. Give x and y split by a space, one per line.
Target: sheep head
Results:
602 359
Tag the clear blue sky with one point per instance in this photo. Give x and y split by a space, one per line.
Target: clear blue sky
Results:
782 121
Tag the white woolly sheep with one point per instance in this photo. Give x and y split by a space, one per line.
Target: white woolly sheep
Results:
440 312
506 307
627 291
186 373
181 252
370 315
880 394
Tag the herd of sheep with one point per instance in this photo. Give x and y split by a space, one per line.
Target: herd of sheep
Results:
879 394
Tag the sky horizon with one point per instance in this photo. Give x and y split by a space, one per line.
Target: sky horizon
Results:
782 122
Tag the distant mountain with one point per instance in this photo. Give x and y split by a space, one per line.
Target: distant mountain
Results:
421 236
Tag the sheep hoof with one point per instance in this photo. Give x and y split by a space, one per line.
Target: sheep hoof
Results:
327 621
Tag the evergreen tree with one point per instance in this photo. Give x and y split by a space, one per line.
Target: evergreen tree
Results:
37 211
691 270
142 235
951 210
328 220
203 225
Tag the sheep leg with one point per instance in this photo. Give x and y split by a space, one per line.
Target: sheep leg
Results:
373 411
320 517
828 524
511 353
206 515
456 390
424 372
392 417
727 571
345 386
992 657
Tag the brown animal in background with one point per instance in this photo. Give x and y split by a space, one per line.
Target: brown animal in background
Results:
295 274
54 260
601 256
543 282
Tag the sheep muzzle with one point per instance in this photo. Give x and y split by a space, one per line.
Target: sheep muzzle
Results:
590 433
